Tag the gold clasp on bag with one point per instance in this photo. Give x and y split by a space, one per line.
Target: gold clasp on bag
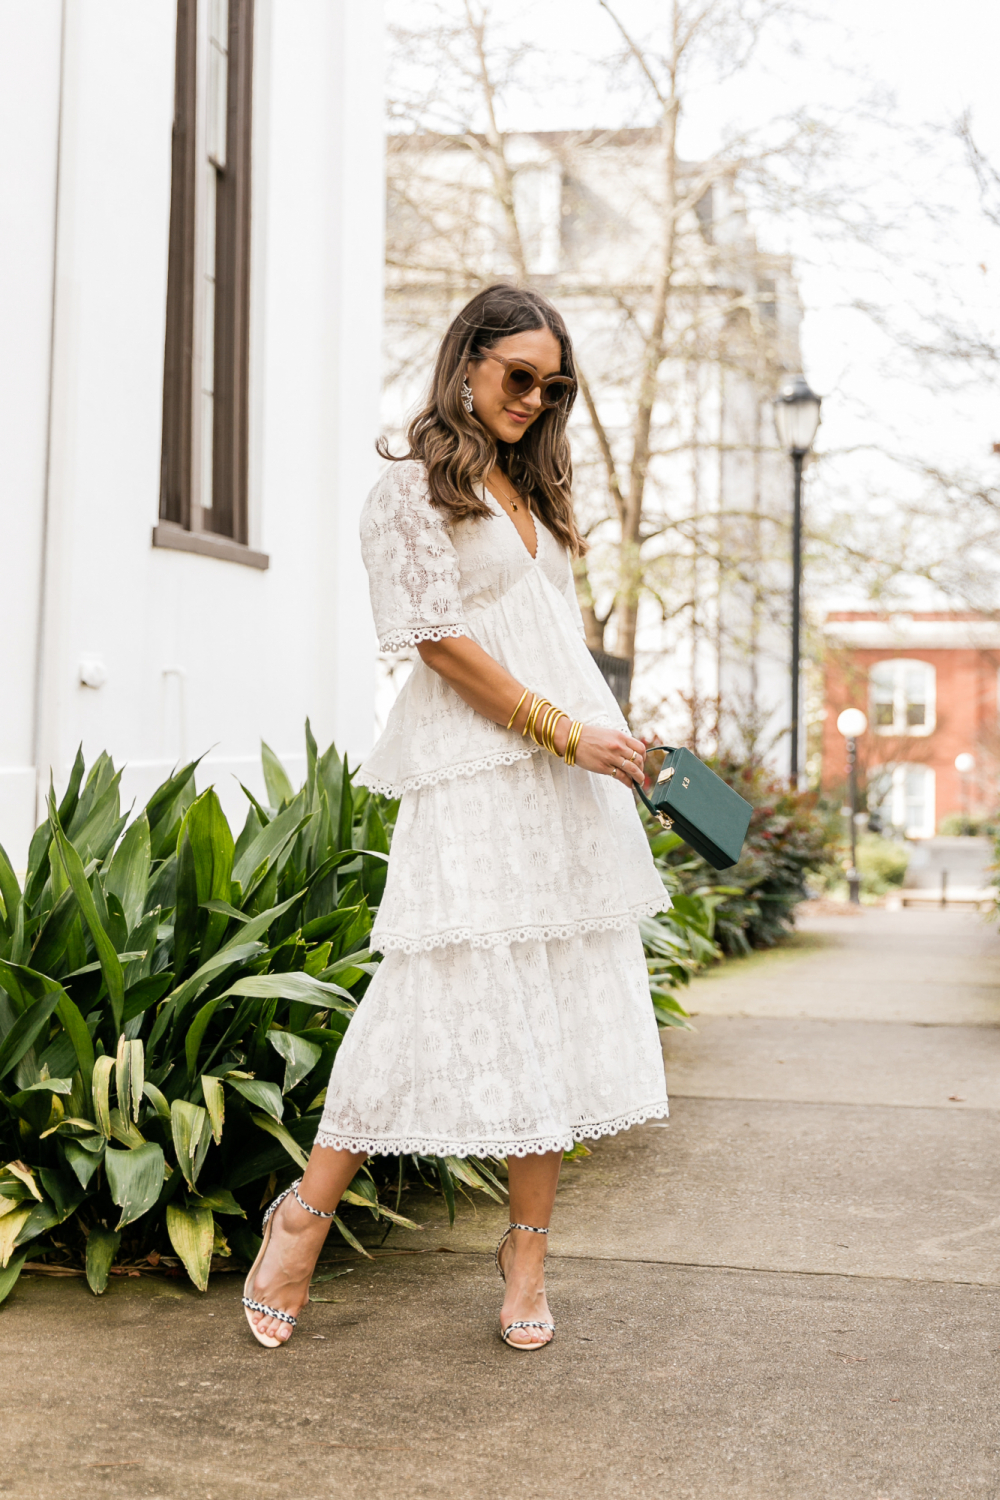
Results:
665 775
664 821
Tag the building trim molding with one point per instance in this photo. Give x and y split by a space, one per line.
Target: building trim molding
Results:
178 539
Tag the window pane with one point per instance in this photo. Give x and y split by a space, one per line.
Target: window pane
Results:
916 713
916 786
883 684
883 715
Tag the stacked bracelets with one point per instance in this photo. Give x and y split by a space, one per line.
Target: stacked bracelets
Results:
543 718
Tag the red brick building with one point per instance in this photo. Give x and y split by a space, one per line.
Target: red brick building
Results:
927 682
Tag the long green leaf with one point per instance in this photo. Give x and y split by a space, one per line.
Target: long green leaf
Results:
220 1201
135 1179
10 890
71 795
129 1076
212 849
300 1056
275 1128
192 1232
354 1243
102 1247
157 1100
258 1091
100 1087
83 1164
11 1225
215 1103
192 1135
110 966
196 1031
294 986
128 873
26 1029
241 946
76 1029
279 788
269 844
10 1273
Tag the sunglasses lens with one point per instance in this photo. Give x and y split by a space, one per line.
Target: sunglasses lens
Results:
555 393
519 382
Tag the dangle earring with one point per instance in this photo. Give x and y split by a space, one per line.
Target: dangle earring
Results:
466 395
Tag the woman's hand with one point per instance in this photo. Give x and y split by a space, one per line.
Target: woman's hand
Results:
490 689
610 753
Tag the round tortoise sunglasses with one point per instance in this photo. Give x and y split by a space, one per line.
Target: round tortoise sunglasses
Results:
520 378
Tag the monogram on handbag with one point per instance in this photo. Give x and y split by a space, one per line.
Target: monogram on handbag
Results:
700 806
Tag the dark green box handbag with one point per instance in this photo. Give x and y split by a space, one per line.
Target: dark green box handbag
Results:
700 806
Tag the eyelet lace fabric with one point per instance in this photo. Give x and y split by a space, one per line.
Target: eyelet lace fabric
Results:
506 1051
510 1014
527 852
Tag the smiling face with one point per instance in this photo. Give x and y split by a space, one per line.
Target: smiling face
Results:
509 417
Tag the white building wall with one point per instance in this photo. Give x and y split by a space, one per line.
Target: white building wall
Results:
200 654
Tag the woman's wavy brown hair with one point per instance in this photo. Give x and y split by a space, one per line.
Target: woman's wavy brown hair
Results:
458 450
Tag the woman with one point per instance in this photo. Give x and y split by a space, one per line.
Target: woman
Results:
510 1015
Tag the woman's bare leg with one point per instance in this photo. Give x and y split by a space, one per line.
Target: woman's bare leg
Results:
532 1181
297 1237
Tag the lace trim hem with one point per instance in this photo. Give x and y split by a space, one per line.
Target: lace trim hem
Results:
446 773
398 640
591 1130
555 932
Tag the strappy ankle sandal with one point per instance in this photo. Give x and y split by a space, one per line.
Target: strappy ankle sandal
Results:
249 1304
504 1332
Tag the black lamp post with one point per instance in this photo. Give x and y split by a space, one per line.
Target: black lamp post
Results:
796 417
851 723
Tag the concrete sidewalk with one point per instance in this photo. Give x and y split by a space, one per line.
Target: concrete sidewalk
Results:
792 1292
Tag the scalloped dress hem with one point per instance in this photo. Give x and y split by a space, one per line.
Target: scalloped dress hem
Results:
510 1146
391 942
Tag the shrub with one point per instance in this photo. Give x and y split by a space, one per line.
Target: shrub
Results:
882 863
964 825
172 1000
753 904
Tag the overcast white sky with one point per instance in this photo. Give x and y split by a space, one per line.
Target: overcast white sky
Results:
935 61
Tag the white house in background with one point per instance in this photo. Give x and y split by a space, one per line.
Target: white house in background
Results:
191 195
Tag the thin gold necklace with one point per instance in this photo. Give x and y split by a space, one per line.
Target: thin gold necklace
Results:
512 502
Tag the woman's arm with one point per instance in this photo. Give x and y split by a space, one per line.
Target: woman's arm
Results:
486 686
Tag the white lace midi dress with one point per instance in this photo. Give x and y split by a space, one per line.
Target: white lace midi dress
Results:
510 1013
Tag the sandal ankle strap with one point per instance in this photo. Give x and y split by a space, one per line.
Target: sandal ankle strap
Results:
320 1214
529 1227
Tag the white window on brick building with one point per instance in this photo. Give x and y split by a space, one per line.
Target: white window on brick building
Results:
902 697
904 798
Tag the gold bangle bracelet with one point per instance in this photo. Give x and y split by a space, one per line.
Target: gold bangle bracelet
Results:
510 721
531 727
527 717
543 727
551 740
573 740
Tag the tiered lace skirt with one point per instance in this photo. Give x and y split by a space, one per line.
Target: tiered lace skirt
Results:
511 1012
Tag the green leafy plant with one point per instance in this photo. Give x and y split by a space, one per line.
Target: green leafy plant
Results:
171 1001
753 906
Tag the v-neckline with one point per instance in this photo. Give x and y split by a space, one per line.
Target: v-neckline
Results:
534 524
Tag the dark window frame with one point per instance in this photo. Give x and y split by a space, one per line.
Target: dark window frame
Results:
222 529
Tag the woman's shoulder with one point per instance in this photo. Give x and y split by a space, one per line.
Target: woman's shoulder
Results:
401 491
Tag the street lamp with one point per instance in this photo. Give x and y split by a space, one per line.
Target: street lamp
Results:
796 417
965 764
852 723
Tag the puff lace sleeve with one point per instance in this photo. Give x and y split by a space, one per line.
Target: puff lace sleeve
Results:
413 568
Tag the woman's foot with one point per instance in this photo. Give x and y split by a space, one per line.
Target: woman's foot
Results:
283 1277
522 1260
